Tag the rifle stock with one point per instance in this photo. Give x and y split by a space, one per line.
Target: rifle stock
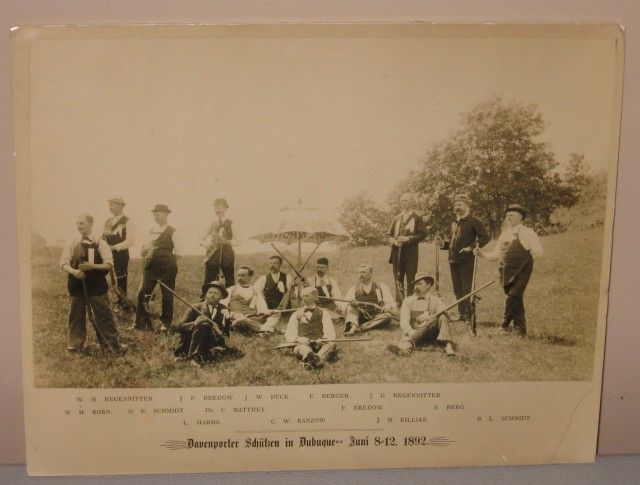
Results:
286 345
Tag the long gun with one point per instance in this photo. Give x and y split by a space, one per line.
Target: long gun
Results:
286 345
215 327
437 287
455 303
353 302
473 287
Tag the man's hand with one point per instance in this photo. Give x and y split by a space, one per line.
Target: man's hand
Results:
303 340
86 266
466 250
202 319
392 241
476 252
114 249
439 242
78 274
144 252
387 308
267 312
403 239
423 317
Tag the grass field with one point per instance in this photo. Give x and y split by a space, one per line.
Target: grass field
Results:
561 302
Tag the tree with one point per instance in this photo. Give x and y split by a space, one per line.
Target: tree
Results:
497 159
367 223
576 178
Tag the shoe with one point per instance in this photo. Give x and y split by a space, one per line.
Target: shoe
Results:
233 353
449 350
353 330
197 361
395 349
121 349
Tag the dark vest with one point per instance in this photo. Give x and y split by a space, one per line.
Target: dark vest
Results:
223 230
117 238
162 262
95 280
371 297
272 294
514 258
329 304
312 327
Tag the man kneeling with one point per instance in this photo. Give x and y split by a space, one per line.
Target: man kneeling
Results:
312 329
200 342
417 320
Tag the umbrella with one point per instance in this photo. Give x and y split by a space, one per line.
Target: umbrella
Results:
300 224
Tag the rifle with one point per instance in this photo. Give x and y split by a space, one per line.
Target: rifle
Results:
473 287
455 303
353 302
216 329
272 312
286 345
287 261
399 284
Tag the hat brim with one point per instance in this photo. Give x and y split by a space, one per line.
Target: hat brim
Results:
224 291
519 211
428 279
168 211
114 201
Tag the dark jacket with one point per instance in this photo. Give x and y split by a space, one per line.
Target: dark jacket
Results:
414 228
464 234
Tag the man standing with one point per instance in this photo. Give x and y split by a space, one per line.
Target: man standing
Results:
419 327
308 327
372 305
119 234
407 230
160 252
218 240
200 339
515 250
87 260
274 287
466 231
246 304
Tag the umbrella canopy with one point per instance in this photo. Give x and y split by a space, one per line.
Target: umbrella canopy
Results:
300 224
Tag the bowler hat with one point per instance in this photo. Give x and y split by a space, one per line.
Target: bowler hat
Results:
324 261
215 284
516 208
161 208
221 201
428 278
117 200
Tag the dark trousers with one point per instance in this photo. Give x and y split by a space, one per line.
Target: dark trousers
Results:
220 262
405 267
198 341
461 280
106 332
147 286
514 303
121 269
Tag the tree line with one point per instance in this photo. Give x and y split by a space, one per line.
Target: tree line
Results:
496 157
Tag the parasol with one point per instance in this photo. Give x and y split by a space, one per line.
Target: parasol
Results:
302 224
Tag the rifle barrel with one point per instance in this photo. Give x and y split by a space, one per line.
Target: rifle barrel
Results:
174 293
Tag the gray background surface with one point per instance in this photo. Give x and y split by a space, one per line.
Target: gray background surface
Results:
620 426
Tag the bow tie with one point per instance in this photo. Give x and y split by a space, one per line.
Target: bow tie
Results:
308 310
245 286
421 298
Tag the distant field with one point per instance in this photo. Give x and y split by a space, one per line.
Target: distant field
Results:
561 301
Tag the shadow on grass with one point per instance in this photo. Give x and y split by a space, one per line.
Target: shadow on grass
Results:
554 340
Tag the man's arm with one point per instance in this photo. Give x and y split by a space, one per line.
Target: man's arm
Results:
177 243
105 254
531 241
129 240
328 331
389 300
291 334
261 304
481 233
260 284
188 320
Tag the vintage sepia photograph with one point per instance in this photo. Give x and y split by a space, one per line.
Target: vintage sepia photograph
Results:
248 210
274 247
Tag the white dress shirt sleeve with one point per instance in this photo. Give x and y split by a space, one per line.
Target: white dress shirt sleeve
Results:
405 315
291 334
328 330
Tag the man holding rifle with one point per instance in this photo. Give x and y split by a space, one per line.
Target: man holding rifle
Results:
423 320
466 232
218 240
88 260
371 304
274 286
311 328
246 304
516 249
119 234
203 327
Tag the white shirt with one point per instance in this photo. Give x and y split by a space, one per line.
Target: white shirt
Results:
156 231
429 303
112 223
402 219
103 249
247 293
291 334
262 281
387 297
528 238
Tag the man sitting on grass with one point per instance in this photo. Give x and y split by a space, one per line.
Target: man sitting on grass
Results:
419 327
312 329
199 342
247 305
372 305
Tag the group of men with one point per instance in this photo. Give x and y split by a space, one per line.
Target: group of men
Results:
312 307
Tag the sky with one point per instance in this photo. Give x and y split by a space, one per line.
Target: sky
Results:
266 121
